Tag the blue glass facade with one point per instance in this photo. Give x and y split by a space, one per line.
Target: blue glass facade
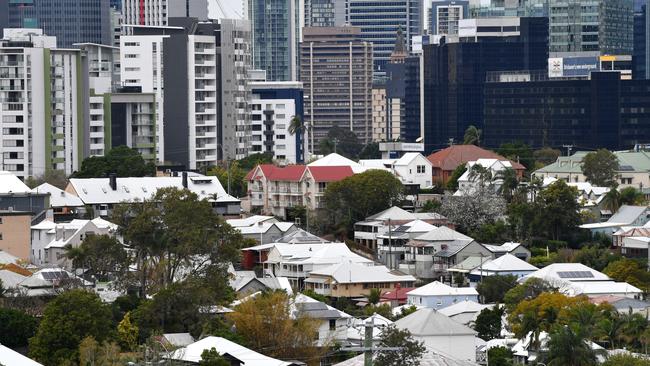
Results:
71 21
379 21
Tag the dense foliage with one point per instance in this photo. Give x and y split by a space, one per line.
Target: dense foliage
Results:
122 160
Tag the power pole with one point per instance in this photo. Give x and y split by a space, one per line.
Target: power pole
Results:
335 141
367 342
390 245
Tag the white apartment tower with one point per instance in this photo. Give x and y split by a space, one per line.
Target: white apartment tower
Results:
41 104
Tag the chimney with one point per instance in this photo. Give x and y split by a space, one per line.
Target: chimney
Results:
112 181
185 180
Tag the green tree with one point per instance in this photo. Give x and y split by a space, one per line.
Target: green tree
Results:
238 184
600 168
56 178
625 359
508 182
612 200
212 358
69 318
92 353
128 332
298 127
557 210
488 323
493 288
472 136
431 206
16 327
452 183
361 195
630 271
342 141
374 296
567 346
519 152
546 156
122 160
410 353
100 255
253 160
370 151
528 290
500 356
632 196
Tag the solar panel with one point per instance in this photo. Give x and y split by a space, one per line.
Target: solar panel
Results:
575 274
401 229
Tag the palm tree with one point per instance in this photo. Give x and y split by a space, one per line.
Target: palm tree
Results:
482 173
633 327
586 316
569 347
612 200
298 127
611 328
509 182
472 136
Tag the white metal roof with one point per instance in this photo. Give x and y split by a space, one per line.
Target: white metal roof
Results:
9 183
334 159
347 272
567 272
393 213
59 197
505 263
601 288
466 306
10 357
250 221
429 322
437 288
442 233
192 353
98 190
503 248
7 258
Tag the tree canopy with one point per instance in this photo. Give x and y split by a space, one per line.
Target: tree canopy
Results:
472 136
519 152
56 178
411 351
101 255
16 327
234 173
488 323
474 209
600 168
493 288
121 160
630 271
67 320
557 209
342 141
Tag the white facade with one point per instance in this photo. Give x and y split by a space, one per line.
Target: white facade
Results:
411 168
141 65
279 141
437 295
40 115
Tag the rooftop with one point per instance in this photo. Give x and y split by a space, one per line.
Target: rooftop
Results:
505 263
437 288
571 272
347 272
9 183
461 307
58 197
455 155
429 322
629 161
192 353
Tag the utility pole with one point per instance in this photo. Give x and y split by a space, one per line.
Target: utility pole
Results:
390 245
367 342
335 141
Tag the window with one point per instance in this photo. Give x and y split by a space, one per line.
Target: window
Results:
421 169
0 220
0 236
332 324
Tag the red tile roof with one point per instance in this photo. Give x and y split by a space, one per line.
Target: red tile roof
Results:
330 173
291 173
455 155
397 294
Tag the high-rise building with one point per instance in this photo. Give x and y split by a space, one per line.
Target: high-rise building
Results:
336 71
320 13
276 34
589 25
600 112
379 21
234 114
443 16
42 100
70 21
454 75
274 104
158 12
641 54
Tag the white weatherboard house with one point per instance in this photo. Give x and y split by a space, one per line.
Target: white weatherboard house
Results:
411 169
506 264
437 295
191 354
464 312
441 334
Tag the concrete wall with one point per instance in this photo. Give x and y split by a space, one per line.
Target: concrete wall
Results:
14 233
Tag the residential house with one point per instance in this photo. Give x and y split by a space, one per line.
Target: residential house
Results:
629 231
333 325
257 255
14 232
251 221
316 179
347 279
465 312
634 169
176 340
49 239
65 206
516 249
11 281
636 247
430 358
391 247
437 295
396 297
231 351
296 262
265 232
526 352
250 285
505 265
16 196
431 254
50 282
440 334
335 160
625 216
445 161
575 279
357 329
624 304
412 169
366 232
101 194
469 182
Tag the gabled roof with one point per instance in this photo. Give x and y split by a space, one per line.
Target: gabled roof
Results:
442 233
505 263
11 357
429 322
430 358
10 279
290 173
437 288
250 221
503 248
192 353
300 236
415 226
407 158
58 197
6 258
330 173
396 294
334 159
347 272
466 306
468 264
393 213
455 155
627 214
9 183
